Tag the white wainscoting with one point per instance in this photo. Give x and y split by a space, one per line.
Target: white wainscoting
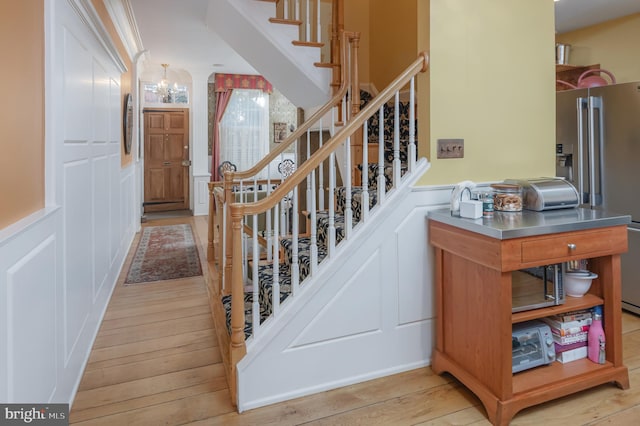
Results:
374 297
58 267
200 196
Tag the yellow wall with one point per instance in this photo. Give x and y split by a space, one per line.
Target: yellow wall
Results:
492 81
394 43
423 82
613 45
356 18
22 109
125 77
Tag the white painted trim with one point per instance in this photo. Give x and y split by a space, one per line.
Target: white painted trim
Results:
15 229
201 194
124 20
311 329
89 16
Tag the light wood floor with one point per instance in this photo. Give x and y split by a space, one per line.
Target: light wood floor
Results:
156 361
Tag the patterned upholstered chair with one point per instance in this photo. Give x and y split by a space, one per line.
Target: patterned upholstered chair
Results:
226 166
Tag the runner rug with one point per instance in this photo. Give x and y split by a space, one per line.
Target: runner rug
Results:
164 253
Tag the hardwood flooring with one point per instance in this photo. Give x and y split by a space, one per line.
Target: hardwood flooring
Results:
156 361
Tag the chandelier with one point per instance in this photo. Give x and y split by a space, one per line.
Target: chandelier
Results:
166 90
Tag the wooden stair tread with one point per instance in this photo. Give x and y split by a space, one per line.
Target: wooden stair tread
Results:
325 65
285 21
307 43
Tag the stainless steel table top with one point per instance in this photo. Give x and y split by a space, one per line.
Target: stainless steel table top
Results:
506 225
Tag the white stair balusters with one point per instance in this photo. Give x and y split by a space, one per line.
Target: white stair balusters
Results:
412 127
287 11
276 266
348 213
313 241
295 264
242 197
307 25
319 23
382 189
308 193
364 201
396 140
321 194
255 279
331 228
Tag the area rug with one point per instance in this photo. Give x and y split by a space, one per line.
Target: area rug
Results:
164 253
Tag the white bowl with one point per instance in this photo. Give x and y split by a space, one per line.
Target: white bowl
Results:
577 283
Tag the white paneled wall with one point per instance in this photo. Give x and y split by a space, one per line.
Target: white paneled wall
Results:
58 266
374 298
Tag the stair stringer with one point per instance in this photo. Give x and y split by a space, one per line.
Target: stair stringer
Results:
326 337
245 26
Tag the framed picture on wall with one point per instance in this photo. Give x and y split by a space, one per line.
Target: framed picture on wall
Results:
279 132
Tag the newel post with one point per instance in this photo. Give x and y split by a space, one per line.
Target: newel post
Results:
337 32
337 26
238 349
355 82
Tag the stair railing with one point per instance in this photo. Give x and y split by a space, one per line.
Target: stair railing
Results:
235 184
257 302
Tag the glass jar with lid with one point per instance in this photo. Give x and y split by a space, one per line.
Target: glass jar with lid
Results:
485 195
507 197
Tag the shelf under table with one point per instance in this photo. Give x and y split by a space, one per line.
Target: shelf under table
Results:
571 304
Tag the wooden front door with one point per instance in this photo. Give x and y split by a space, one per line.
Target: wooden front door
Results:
166 160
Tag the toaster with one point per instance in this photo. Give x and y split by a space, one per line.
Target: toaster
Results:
531 345
547 193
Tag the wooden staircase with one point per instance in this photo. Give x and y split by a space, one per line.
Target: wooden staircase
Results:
281 40
252 299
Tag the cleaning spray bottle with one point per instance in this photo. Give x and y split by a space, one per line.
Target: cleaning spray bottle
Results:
595 338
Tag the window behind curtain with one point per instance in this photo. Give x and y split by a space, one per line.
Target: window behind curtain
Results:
244 129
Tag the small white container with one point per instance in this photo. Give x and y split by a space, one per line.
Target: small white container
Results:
471 209
577 283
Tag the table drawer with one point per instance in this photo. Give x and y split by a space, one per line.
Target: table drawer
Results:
575 245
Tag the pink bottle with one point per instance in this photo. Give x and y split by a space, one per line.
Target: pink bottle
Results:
595 338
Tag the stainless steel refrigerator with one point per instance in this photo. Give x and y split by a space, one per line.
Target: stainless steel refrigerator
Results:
598 150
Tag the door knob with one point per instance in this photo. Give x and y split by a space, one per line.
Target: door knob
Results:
166 163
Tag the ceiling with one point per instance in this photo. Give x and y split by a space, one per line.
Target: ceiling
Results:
175 31
574 14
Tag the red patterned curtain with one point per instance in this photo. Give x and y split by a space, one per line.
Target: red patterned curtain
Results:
226 82
222 100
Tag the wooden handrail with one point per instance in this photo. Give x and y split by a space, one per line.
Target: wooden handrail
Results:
240 209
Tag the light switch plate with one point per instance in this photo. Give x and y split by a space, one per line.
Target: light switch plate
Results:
450 148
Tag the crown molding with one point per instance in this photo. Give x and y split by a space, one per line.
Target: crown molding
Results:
90 17
124 20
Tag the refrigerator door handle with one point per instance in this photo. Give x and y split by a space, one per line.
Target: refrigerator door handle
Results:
580 105
595 103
